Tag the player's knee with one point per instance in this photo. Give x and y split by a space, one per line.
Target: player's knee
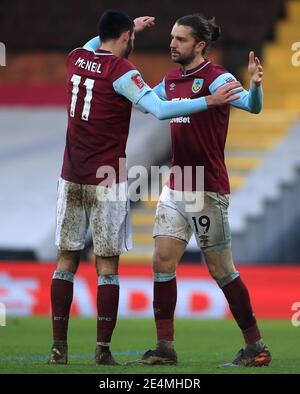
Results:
225 280
219 263
106 270
68 261
162 262
214 272
221 277
107 265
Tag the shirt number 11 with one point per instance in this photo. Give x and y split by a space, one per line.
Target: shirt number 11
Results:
89 84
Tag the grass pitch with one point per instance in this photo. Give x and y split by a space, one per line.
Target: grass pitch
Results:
201 347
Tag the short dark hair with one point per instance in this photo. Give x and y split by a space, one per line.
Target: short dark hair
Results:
203 29
113 23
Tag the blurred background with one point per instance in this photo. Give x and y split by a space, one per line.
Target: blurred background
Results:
262 154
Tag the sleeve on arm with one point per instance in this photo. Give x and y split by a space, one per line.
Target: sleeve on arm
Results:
140 108
131 86
250 101
161 93
170 109
160 90
92 44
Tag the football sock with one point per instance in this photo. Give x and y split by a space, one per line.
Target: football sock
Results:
163 345
257 346
239 302
104 347
61 300
164 303
107 306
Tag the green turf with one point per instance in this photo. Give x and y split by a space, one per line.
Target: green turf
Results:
201 346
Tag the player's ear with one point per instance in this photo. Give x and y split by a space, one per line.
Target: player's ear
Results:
125 36
200 46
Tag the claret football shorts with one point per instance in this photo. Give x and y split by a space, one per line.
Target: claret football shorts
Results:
179 216
105 210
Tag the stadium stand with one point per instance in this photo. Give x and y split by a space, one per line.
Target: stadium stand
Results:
69 22
74 26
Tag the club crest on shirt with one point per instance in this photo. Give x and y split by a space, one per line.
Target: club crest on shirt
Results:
137 79
197 85
172 86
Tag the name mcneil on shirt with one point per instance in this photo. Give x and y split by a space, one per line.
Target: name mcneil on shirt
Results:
88 65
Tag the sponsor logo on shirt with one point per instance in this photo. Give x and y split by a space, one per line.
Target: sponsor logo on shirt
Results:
230 79
172 86
197 85
181 119
137 79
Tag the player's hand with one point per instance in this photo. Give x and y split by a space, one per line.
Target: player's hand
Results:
225 94
255 69
143 22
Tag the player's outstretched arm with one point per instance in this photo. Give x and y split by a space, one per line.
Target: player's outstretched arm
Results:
143 22
92 44
161 93
160 90
226 94
140 24
170 109
250 101
132 86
